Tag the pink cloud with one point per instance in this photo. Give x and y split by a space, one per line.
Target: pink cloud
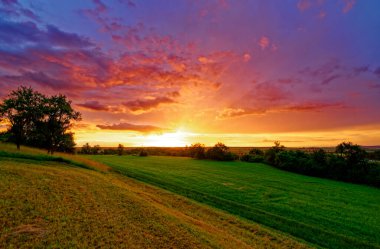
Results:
147 104
303 5
348 5
264 42
132 127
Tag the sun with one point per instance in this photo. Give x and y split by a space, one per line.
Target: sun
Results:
170 139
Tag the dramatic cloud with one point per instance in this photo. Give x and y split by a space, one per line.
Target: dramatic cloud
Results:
147 104
94 105
194 64
301 107
132 127
237 112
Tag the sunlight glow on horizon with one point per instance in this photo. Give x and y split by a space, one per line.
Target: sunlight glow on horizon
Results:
182 138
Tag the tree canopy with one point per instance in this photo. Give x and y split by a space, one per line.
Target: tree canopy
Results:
38 120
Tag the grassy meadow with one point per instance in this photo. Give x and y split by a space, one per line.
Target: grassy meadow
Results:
47 202
323 212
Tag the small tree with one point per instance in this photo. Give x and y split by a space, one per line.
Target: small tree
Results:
270 154
96 149
220 152
120 149
254 156
86 149
197 151
354 154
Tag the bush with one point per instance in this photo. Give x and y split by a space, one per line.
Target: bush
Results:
220 152
197 151
253 156
143 153
348 163
270 154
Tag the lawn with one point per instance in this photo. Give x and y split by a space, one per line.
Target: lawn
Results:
323 212
46 203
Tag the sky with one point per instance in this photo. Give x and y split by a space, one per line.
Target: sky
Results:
176 72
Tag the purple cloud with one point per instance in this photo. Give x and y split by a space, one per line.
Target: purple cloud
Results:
131 127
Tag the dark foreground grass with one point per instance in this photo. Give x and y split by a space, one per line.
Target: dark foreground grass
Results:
45 204
323 212
42 158
8 150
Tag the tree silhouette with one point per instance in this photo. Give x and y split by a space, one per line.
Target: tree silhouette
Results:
22 109
38 120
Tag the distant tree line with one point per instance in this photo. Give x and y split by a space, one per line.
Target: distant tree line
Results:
87 149
348 163
37 120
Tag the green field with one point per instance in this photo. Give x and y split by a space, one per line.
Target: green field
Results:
53 203
323 212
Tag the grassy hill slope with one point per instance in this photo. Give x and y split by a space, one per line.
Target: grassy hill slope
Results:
324 212
58 205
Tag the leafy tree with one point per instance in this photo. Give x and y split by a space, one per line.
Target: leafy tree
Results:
120 149
220 152
96 149
270 154
256 152
197 151
86 149
58 115
39 121
354 154
22 109
253 156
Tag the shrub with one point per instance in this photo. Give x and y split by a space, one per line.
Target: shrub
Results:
197 151
143 153
270 154
220 152
253 156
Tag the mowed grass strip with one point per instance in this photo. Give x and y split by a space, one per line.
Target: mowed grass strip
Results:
323 212
46 204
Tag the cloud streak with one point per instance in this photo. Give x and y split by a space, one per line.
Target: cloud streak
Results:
132 127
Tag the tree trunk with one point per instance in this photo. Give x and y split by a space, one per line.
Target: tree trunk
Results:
18 146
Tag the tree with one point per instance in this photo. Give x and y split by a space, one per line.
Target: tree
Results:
96 149
120 149
354 154
270 154
58 115
22 109
220 152
197 151
86 149
254 156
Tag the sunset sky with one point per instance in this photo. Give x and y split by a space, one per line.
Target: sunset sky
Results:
175 72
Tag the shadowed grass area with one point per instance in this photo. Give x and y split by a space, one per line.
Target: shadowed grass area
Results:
324 212
10 151
48 204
